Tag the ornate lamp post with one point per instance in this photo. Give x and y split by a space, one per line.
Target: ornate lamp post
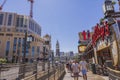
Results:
108 8
43 65
27 41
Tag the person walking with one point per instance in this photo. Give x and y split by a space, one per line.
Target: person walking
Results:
84 69
75 69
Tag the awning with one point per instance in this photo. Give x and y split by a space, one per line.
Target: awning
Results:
103 49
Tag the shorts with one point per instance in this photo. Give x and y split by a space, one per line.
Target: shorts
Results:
84 71
75 74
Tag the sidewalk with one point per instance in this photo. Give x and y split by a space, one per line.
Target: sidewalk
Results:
90 75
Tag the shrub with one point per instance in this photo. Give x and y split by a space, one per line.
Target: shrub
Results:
3 60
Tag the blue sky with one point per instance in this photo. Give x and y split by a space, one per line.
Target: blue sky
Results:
62 19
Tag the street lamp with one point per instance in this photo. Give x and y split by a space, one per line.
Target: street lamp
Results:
27 41
43 65
52 57
108 8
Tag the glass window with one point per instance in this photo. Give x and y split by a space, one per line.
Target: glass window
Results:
21 30
14 44
19 42
1 19
118 24
9 19
33 50
23 40
7 48
27 50
25 23
25 30
17 22
38 49
21 22
8 29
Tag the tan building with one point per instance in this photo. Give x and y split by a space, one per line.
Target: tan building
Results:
12 34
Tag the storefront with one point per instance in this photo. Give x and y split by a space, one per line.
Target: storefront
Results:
105 40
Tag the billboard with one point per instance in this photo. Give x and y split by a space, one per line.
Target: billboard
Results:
81 48
85 35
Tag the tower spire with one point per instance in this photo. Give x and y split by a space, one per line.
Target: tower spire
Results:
57 48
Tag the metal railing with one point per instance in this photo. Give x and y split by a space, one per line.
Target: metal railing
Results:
33 71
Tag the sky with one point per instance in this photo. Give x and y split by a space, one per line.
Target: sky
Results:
62 19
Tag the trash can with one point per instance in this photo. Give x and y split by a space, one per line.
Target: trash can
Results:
93 68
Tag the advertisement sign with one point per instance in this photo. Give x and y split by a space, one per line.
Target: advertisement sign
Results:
81 48
85 35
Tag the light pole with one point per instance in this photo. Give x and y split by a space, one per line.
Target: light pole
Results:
52 58
27 41
43 65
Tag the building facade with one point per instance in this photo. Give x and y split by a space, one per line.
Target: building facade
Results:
12 36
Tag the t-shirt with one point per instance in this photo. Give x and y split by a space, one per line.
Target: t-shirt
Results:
83 65
75 67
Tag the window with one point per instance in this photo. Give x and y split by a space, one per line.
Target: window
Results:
8 29
1 19
25 23
38 49
118 24
33 50
21 22
27 48
7 48
17 30
25 30
17 24
19 42
21 30
23 40
9 34
18 47
14 45
9 19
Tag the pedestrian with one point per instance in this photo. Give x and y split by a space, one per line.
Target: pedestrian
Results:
84 68
67 66
75 68
70 66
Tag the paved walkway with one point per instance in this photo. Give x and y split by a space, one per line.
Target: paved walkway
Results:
90 75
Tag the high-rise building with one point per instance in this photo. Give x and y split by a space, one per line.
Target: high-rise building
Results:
57 49
12 34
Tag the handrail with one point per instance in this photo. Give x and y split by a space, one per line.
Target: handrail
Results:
116 71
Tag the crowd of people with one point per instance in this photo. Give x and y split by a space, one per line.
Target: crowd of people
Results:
76 67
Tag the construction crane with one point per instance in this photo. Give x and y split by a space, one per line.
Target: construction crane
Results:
31 8
1 6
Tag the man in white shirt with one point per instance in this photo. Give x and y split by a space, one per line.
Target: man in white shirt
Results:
75 68
83 65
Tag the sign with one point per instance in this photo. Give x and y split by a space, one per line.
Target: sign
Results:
100 32
81 48
85 35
